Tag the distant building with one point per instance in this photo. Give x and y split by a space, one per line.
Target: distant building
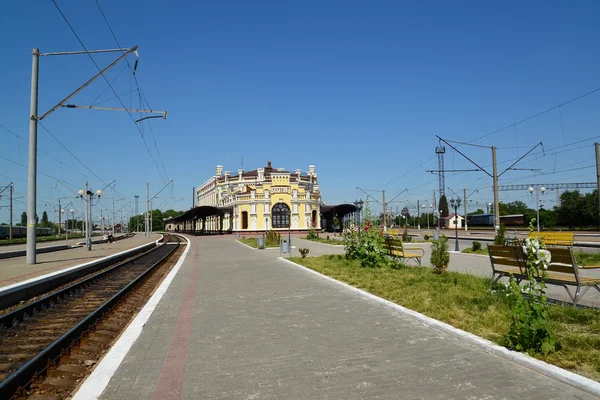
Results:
449 221
262 199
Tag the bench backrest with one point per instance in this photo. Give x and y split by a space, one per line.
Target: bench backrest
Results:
390 232
511 256
563 260
555 238
394 244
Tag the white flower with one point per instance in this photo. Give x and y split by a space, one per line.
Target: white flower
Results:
545 257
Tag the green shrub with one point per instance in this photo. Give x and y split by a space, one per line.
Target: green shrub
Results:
440 257
500 236
312 234
531 328
367 247
303 252
476 245
273 236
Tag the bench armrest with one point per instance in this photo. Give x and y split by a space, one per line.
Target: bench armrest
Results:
588 266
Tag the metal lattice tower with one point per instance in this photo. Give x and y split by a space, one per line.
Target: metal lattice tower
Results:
136 204
440 154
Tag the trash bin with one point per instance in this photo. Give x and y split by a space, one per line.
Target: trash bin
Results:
284 246
260 242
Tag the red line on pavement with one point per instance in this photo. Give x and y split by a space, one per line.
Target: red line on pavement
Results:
171 375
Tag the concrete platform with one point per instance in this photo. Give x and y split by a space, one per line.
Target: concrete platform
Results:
14 270
236 323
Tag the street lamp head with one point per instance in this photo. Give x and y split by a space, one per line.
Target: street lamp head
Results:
458 202
542 189
98 192
452 202
72 211
81 192
531 189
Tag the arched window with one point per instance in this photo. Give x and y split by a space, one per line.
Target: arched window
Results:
280 215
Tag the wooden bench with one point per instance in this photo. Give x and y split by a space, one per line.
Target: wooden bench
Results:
396 249
506 261
562 271
555 238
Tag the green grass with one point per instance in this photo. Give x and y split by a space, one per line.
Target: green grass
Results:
469 250
252 242
325 240
464 301
51 238
587 259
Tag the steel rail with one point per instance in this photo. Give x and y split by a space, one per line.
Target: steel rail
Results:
27 373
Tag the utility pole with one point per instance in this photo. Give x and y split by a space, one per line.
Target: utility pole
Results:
597 145
11 213
384 212
496 200
465 203
102 220
33 123
59 219
137 217
32 164
193 197
418 215
147 208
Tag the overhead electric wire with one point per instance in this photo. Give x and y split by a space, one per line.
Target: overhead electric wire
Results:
46 153
111 87
536 115
71 153
136 83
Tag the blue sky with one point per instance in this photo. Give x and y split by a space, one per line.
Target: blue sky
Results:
359 89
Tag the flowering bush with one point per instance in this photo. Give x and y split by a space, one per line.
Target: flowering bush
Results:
530 328
312 234
366 245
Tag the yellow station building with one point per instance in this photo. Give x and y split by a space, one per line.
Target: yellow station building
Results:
262 199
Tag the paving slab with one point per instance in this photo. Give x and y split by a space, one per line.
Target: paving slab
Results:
237 323
14 270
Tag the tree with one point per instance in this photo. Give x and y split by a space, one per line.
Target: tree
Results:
24 219
479 211
45 218
444 206
171 213
571 211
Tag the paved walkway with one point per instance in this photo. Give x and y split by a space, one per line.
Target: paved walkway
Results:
238 324
13 270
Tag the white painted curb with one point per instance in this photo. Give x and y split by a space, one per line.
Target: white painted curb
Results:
94 385
37 278
552 371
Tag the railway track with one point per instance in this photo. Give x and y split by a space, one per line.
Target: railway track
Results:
73 326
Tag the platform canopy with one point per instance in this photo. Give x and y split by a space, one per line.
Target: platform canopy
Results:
340 210
200 212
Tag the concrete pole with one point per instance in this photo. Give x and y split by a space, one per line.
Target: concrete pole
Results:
150 216
465 204
384 211
496 200
88 219
147 207
597 145
418 215
537 207
59 220
102 220
32 164
113 218
11 214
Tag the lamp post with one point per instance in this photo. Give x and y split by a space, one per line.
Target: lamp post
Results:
537 201
455 204
359 205
73 219
89 195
